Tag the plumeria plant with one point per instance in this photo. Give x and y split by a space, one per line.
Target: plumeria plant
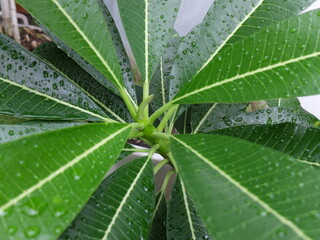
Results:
219 105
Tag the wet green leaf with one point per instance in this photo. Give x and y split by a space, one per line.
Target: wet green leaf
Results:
121 208
226 23
158 229
207 117
298 141
49 177
278 62
148 25
183 218
75 28
10 132
242 189
32 88
110 103
120 51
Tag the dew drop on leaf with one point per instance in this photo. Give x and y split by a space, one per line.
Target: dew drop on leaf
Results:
32 232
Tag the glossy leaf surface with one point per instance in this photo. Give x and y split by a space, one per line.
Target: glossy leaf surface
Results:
125 154
160 84
75 28
113 105
121 208
158 230
279 62
48 178
148 24
183 218
226 23
10 132
285 102
298 141
30 87
183 122
206 118
120 51
240 190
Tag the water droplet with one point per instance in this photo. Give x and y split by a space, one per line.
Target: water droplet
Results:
34 63
32 232
3 94
60 211
293 30
45 74
12 229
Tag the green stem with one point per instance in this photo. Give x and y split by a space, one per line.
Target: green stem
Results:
136 150
143 106
131 105
166 180
153 150
159 112
167 117
160 165
161 135
170 156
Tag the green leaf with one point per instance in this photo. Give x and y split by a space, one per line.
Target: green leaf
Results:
4 119
33 88
297 141
121 208
120 51
226 23
183 219
82 27
206 118
49 177
270 11
10 132
183 122
160 84
242 190
285 102
125 154
148 25
113 106
279 62
158 229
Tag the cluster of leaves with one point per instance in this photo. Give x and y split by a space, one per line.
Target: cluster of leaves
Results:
243 170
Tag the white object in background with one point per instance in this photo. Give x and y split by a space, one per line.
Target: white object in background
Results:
191 14
312 103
